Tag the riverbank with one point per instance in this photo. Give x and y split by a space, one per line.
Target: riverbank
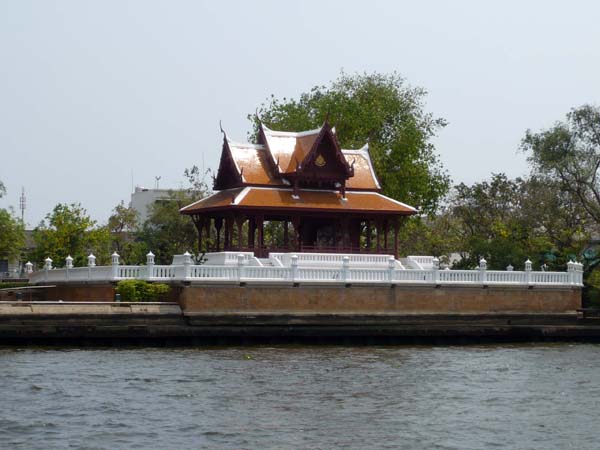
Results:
166 323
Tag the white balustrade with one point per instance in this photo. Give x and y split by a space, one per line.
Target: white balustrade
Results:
267 273
126 272
330 259
335 269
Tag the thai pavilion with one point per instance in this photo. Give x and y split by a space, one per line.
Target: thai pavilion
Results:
297 192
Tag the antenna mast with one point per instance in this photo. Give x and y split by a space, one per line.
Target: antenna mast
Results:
22 205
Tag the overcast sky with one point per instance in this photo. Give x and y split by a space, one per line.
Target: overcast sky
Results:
91 92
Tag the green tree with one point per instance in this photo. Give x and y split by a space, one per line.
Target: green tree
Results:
123 227
12 236
508 221
2 189
69 230
167 232
383 111
569 154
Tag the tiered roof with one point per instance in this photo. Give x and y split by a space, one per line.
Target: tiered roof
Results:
305 170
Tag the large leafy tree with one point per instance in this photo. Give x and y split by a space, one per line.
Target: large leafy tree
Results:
167 232
69 230
384 111
122 225
569 154
12 238
508 221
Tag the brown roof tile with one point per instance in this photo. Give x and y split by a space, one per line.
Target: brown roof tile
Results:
277 198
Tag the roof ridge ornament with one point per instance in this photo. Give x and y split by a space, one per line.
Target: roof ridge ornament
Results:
221 127
258 116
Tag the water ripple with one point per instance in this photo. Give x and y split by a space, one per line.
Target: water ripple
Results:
498 397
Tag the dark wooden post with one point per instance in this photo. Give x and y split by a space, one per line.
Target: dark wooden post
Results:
345 233
296 223
285 235
199 226
251 231
229 232
218 226
208 234
261 235
378 231
369 234
240 224
396 231
385 235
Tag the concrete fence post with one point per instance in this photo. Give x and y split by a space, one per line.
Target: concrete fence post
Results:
68 266
294 259
577 273
391 268
47 267
571 272
528 271
28 267
345 268
240 267
149 265
114 260
187 265
91 265
436 271
483 271
510 268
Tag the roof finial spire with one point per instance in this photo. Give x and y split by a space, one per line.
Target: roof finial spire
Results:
257 116
221 127
327 117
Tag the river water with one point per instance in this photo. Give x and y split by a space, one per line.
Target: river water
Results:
532 396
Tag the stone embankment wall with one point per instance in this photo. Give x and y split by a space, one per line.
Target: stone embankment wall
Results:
313 299
373 300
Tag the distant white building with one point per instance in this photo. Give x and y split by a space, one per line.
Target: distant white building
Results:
142 199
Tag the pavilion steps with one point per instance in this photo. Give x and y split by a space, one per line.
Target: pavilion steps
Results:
266 262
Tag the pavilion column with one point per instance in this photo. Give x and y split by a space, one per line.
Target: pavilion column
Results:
208 234
369 234
251 231
396 232
296 224
378 236
385 234
218 226
261 235
229 233
285 235
200 227
226 235
345 233
240 225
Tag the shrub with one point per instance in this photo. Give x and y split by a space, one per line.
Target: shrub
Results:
141 291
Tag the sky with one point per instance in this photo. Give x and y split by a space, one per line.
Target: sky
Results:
98 96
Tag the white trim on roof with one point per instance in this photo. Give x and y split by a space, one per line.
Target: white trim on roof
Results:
395 201
293 134
241 195
364 152
206 198
244 145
